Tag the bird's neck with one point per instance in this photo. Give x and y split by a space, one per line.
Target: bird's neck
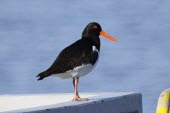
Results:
94 40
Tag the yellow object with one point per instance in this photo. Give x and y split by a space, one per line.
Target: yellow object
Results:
164 102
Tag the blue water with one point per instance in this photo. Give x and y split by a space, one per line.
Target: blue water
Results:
33 32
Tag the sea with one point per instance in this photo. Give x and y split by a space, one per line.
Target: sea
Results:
33 32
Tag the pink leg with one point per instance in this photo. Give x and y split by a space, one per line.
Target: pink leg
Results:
76 96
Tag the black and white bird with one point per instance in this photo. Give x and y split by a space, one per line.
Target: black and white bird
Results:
79 58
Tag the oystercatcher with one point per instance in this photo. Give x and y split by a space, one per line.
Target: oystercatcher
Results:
79 58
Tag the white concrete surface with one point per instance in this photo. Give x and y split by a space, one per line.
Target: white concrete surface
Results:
61 103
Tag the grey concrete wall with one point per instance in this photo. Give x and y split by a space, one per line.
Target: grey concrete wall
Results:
129 103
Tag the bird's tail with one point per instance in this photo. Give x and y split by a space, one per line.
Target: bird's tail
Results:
42 75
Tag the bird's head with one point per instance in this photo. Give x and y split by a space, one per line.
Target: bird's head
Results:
94 29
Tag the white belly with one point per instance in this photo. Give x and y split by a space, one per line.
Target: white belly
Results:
76 72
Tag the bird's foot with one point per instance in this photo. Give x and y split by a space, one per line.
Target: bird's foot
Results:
77 98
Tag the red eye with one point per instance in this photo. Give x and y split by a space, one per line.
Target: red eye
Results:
95 27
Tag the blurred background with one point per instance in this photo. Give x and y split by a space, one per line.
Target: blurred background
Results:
33 32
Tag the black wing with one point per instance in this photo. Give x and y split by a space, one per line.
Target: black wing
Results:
72 56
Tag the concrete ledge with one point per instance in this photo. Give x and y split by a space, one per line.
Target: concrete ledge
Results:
61 103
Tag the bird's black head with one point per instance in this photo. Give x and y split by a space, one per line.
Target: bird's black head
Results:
93 29
92 32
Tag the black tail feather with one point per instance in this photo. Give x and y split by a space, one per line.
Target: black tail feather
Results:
42 76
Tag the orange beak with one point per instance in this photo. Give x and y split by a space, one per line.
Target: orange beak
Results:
108 36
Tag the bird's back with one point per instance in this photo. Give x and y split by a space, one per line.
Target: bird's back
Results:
82 52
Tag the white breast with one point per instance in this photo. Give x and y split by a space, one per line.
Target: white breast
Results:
95 49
